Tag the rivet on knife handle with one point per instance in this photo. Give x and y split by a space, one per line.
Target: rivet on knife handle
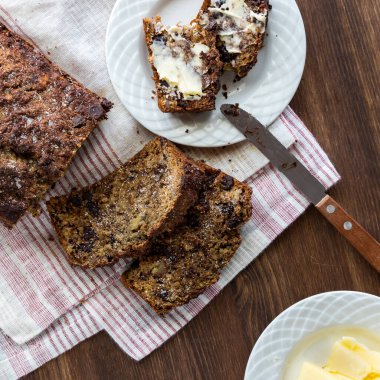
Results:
351 230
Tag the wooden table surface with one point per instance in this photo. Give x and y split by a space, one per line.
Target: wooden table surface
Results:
339 101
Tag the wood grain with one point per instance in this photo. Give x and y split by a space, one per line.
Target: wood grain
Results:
339 101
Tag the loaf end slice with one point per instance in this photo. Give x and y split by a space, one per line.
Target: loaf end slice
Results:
239 26
186 66
45 116
121 214
182 264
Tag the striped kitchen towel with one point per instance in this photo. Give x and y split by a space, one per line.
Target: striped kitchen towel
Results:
46 305
128 319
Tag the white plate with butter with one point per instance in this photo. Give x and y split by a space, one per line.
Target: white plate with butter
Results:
307 331
265 92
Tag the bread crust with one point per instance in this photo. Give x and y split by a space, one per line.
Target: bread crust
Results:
188 180
205 103
45 116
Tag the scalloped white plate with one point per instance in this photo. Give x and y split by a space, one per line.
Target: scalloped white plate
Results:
306 331
265 92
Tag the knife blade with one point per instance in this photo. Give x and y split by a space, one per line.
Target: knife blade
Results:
297 173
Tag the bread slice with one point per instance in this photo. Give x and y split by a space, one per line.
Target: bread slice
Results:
240 28
186 66
45 116
121 214
182 264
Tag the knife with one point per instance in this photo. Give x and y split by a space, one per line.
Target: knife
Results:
313 190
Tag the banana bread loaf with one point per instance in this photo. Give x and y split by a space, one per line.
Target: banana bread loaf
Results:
121 214
186 66
240 28
180 265
45 116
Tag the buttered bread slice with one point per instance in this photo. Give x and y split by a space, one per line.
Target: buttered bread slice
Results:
240 28
121 214
186 66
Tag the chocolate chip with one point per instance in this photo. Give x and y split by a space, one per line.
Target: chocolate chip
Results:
106 104
227 183
163 294
45 162
182 103
11 212
160 249
112 239
224 54
93 208
211 179
89 234
203 202
78 121
90 204
159 169
75 200
226 208
84 247
160 38
253 3
109 259
87 196
192 219
234 221
96 111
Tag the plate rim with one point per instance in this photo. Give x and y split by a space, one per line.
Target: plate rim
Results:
272 325
198 143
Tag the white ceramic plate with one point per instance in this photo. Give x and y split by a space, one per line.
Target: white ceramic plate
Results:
265 92
306 331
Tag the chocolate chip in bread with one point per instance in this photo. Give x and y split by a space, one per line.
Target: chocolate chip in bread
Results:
45 116
181 264
121 214
186 66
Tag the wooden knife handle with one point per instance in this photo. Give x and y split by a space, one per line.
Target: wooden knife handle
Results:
366 244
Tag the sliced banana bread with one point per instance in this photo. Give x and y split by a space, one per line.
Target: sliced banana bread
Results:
186 66
121 214
240 28
180 265
45 116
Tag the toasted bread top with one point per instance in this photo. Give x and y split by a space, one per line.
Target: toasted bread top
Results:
45 116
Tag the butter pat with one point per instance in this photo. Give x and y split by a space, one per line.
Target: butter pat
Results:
312 372
353 359
176 71
181 71
197 49
348 360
